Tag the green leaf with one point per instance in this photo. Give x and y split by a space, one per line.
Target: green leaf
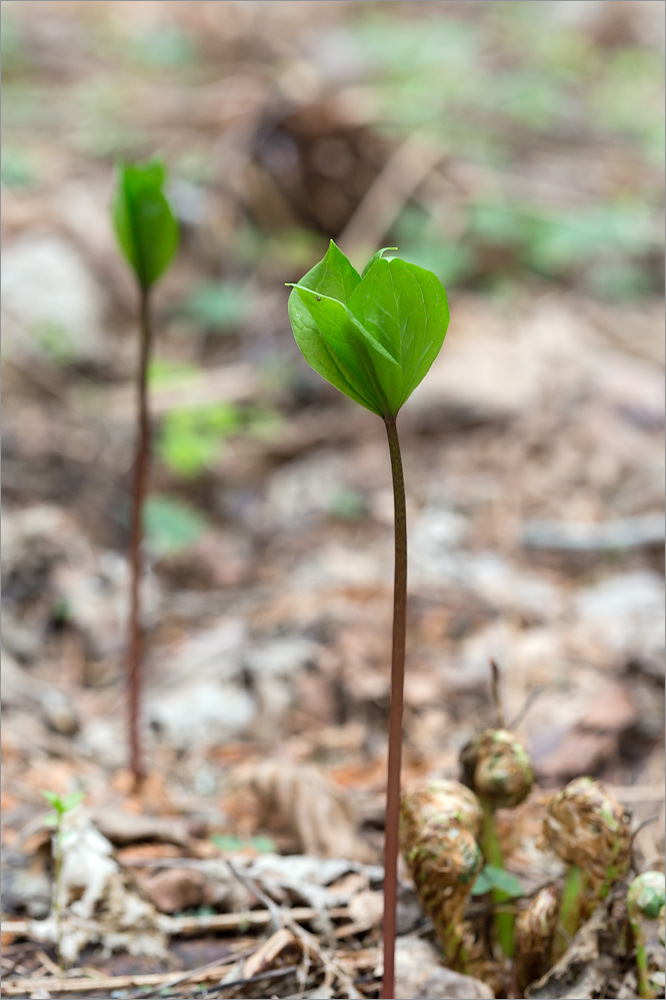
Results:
405 307
372 337
72 800
171 525
335 277
376 256
482 884
144 222
493 877
54 800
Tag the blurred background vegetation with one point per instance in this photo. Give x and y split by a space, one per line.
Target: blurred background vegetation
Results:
513 147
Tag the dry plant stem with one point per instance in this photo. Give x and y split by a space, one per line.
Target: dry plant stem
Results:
136 536
57 891
395 713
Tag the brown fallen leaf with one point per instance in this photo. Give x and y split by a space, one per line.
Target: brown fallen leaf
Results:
173 889
314 810
590 740
123 828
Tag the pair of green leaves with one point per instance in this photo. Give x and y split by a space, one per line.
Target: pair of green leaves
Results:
372 335
492 877
144 222
61 804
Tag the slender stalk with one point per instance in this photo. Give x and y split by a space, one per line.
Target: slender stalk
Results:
136 535
492 852
395 713
57 890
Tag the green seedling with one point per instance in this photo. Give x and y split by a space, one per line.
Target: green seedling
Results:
61 806
374 337
147 233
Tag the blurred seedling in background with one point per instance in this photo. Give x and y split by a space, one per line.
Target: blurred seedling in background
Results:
61 806
147 234
374 337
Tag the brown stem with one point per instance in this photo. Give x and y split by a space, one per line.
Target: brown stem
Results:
395 713
136 535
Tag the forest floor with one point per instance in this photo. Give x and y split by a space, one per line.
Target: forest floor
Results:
250 863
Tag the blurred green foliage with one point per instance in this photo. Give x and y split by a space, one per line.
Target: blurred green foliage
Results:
506 93
561 133
55 340
171 525
190 440
17 168
470 82
348 505
232 845
216 306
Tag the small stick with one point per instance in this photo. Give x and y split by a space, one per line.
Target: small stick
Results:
529 701
15 987
251 886
496 694
193 926
183 977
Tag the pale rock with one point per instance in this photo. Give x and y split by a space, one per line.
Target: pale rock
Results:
420 975
625 615
305 488
201 712
49 295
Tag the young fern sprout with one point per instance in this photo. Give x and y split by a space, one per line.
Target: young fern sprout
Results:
533 937
374 336
147 234
497 767
590 830
440 824
646 897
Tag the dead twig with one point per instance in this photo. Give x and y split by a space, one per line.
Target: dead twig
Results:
87 984
184 977
249 884
260 977
194 926
399 178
